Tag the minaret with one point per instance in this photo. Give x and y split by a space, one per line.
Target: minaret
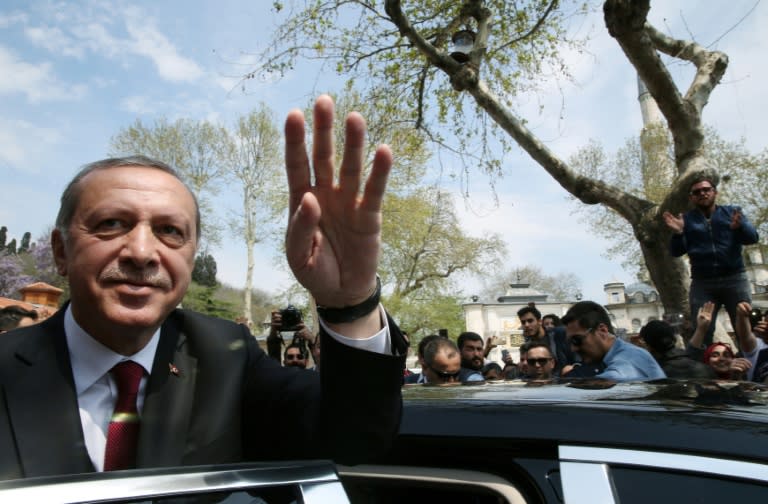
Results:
648 106
657 165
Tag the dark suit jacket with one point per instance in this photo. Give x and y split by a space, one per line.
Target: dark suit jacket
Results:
228 402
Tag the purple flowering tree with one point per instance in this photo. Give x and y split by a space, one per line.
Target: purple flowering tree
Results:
12 276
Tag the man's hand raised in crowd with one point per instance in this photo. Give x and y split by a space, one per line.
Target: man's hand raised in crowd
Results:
276 322
304 333
333 240
490 344
703 321
739 368
736 219
674 222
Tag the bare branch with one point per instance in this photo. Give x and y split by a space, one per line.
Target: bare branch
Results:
534 29
710 65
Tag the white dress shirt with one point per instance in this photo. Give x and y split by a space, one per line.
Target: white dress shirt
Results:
96 389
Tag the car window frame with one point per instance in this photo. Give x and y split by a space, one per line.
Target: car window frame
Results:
317 481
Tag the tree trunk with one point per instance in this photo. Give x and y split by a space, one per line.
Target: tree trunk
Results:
669 274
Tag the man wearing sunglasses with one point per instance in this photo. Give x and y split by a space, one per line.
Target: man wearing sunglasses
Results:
541 363
294 357
590 333
442 362
712 235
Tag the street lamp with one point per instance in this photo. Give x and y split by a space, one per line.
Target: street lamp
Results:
463 41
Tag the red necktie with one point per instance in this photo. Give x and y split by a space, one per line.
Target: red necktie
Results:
123 433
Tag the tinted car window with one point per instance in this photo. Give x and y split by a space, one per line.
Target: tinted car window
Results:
639 486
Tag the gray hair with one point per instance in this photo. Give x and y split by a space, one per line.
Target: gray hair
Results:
70 198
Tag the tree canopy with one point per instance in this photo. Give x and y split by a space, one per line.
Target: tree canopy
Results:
400 51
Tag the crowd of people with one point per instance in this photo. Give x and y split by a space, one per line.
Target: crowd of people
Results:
583 344
594 351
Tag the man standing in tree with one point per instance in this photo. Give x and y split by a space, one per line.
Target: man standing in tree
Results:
713 235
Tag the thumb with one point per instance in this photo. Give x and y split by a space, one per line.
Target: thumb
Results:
301 232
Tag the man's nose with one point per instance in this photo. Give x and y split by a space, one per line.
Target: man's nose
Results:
141 245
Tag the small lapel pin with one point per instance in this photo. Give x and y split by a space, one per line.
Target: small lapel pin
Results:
173 369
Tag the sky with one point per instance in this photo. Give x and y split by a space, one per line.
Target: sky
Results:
75 73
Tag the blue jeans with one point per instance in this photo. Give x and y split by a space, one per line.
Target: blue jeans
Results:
727 290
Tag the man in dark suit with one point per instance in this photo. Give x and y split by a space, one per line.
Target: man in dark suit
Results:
126 238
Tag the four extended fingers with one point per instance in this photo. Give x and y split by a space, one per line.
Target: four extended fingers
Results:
323 157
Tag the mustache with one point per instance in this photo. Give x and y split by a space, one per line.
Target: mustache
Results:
149 278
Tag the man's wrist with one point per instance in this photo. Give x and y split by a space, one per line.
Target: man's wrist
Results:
352 313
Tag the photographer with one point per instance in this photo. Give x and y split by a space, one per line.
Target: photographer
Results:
289 319
295 356
752 334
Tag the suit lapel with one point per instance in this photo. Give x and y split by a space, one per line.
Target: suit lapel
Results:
168 402
42 404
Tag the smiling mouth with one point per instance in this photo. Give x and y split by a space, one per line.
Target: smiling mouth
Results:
136 282
135 287
128 288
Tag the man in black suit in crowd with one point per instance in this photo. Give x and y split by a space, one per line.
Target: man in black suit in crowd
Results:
126 238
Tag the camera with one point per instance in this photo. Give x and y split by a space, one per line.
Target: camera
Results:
290 317
755 317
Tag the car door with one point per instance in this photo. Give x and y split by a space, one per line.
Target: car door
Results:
609 475
311 482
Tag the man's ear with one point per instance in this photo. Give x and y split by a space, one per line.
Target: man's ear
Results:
59 252
602 329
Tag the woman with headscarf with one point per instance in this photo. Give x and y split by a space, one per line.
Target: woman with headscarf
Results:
719 356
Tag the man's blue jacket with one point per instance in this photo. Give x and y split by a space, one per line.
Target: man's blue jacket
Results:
713 248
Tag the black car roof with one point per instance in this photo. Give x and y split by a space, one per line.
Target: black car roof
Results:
726 418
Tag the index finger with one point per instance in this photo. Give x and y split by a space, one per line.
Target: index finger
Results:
296 160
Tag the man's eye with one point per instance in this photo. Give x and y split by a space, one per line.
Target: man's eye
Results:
110 225
171 235
169 230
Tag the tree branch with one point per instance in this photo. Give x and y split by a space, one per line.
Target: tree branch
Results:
464 77
438 58
535 28
710 65
626 21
